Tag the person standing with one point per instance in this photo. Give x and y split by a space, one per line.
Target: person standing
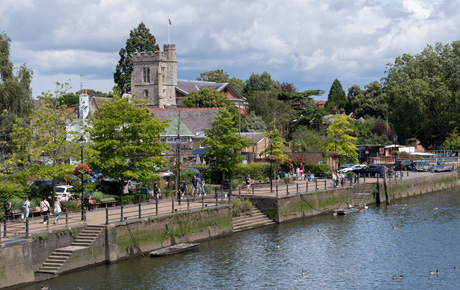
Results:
45 210
26 208
57 209
202 185
194 186
301 167
248 184
183 187
156 191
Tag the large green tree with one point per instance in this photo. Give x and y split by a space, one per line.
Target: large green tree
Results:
140 40
206 98
336 97
423 93
219 76
267 105
371 101
262 82
342 130
224 143
15 94
125 139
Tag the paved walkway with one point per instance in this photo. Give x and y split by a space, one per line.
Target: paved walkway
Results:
17 229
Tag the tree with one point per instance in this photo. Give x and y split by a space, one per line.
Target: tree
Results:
452 141
125 140
15 94
345 142
423 93
336 97
219 76
372 101
206 98
308 140
254 123
267 105
261 82
45 133
223 142
140 40
278 146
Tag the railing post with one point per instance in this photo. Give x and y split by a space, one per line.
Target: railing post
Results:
4 228
172 205
276 189
324 184
156 207
140 210
364 178
239 191
217 197
230 195
188 203
202 200
297 188
66 219
121 213
287 189
106 215
252 190
306 186
316 184
27 228
400 175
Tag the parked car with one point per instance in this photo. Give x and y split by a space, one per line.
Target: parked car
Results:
356 166
194 170
347 165
43 186
64 192
403 165
441 167
132 185
372 169
422 165
163 172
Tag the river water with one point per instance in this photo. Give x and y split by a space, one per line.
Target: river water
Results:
357 251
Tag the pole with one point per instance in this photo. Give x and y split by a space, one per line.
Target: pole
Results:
271 168
82 186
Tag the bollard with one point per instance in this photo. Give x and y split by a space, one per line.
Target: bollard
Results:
4 228
188 203
140 211
252 190
287 189
202 200
239 191
297 188
121 213
217 198
324 184
66 219
172 206
277 190
306 186
316 184
400 175
27 228
106 215
84 221
230 196
156 207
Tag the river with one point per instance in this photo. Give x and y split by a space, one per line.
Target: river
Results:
356 251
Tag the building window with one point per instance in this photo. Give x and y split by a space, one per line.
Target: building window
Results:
146 75
146 93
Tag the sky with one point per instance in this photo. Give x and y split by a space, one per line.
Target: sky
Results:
304 42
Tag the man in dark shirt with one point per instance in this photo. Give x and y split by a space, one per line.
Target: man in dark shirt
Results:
194 186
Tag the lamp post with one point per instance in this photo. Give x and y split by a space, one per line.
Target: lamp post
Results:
335 141
178 167
81 143
270 140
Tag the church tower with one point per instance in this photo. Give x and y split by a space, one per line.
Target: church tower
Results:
154 77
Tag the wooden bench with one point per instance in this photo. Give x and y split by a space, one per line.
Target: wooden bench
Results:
108 201
260 183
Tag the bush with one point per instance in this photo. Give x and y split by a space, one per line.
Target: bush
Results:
241 206
71 205
131 199
10 190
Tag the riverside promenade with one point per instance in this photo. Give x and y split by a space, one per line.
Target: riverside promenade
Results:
16 230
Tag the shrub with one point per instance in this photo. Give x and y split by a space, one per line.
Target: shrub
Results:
10 190
71 205
241 206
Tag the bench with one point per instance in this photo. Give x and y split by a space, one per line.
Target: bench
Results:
260 183
108 201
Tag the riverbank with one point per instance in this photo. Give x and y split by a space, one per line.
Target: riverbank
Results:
20 261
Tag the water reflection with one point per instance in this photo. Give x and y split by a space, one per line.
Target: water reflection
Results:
357 251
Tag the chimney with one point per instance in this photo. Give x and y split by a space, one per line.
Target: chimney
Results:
334 111
342 111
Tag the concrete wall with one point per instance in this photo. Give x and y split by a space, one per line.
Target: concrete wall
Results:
15 264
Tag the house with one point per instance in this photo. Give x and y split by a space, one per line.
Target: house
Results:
258 144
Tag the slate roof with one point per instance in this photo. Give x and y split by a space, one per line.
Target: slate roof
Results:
256 137
195 119
187 86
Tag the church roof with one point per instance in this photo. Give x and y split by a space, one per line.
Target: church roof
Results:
187 86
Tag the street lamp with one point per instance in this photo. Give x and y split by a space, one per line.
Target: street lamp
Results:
81 143
270 140
178 167
335 141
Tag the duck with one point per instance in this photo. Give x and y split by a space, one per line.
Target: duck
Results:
398 276
44 287
319 232
278 246
435 208
395 228
456 267
434 272
304 272
365 206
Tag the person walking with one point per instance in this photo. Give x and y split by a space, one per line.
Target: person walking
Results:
183 187
156 191
26 209
194 186
202 185
248 184
57 209
45 209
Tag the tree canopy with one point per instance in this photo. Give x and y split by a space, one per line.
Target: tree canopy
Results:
140 40
206 98
336 97
125 139
341 128
223 143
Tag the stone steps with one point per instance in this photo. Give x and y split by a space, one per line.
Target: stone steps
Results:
248 221
359 197
59 257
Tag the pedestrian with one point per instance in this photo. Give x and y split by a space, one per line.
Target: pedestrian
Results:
301 169
183 187
9 212
308 175
45 209
87 201
334 179
248 184
57 209
156 191
297 171
26 209
202 185
194 186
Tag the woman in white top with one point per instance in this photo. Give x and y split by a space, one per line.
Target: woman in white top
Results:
45 209
57 209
